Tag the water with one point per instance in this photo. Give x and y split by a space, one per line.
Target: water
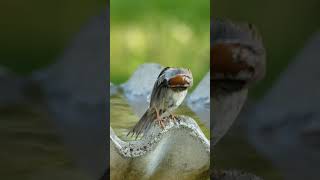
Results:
123 118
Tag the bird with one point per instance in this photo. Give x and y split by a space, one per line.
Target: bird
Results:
168 93
237 55
238 61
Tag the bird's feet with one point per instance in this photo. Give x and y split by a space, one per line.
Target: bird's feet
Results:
159 120
174 118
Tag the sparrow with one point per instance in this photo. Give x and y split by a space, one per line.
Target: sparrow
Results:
238 59
168 93
237 56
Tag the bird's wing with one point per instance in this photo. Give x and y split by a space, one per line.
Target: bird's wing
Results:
158 88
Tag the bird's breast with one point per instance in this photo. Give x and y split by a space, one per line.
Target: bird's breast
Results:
176 98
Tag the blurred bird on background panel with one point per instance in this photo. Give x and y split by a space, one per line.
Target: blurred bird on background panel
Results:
237 55
238 60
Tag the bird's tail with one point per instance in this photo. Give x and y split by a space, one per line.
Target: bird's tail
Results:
144 123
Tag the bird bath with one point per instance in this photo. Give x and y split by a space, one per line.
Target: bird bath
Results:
180 150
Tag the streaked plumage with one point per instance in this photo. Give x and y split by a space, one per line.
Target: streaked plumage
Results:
168 93
238 56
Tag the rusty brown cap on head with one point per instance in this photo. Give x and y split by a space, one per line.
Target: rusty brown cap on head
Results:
179 81
236 47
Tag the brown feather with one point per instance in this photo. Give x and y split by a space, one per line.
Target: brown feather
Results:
223 60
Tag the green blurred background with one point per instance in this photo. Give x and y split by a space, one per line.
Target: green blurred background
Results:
285 26
171 33
34 33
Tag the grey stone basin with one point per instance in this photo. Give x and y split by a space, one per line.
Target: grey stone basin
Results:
199 100
179 151
113 89
138 88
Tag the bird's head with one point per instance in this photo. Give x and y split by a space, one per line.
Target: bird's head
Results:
177 78
237 56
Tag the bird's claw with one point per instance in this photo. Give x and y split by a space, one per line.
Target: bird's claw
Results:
174 118
160 122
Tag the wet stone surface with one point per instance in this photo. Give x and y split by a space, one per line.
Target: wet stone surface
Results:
170 150
113 89
199 100
138 88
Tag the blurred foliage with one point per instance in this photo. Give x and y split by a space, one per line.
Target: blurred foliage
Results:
171 33
285 27
34 33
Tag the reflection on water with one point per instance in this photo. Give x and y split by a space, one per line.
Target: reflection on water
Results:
123 118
